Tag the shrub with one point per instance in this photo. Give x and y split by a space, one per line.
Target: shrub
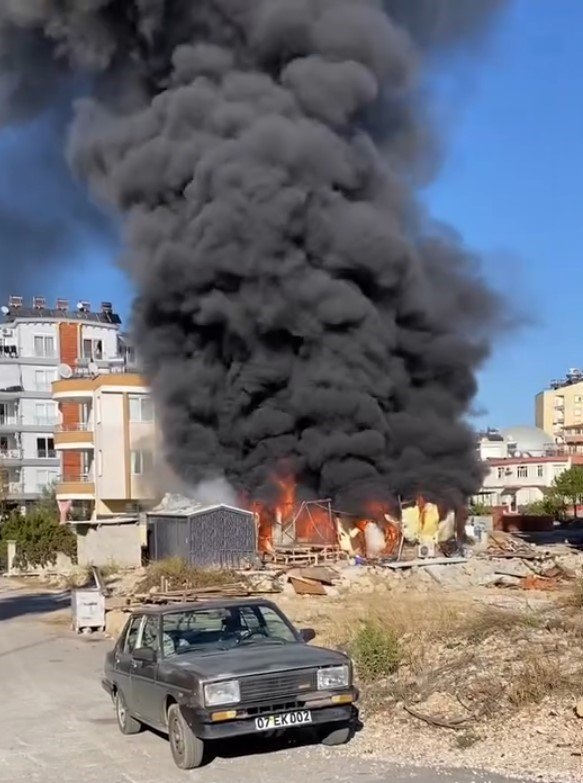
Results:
376 651
39 535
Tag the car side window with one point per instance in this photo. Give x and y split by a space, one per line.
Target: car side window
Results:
151 634
132 635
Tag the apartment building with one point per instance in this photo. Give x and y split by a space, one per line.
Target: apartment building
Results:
516 482
38 344
560 407
106 444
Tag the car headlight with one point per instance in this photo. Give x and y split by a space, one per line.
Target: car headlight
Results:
218 693
333 677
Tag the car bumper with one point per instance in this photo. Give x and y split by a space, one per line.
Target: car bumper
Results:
205 730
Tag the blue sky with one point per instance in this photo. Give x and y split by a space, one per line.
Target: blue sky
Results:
511 185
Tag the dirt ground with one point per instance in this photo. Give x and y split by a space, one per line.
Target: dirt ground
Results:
488 678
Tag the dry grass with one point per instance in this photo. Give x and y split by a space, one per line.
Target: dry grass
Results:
410 647
178 575
539 677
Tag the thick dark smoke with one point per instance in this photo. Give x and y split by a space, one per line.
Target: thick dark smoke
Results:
294 303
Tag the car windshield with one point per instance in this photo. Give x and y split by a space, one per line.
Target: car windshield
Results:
224 628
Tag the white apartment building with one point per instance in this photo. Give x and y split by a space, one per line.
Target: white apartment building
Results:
38 344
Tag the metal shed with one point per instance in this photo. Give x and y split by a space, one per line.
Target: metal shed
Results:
218 536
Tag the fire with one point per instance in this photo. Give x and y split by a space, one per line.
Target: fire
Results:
286 520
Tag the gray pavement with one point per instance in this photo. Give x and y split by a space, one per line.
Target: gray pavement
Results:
57 725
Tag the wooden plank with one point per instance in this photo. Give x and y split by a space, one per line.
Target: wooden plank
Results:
306 586
424 563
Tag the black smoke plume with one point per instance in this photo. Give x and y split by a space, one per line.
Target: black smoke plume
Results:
294 303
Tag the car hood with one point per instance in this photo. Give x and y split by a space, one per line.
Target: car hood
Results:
256 659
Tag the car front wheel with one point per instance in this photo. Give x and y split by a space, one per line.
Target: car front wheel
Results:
187 749
127 724
338 736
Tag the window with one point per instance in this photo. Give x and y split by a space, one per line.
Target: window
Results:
522 471
151 634
8 413
213 629
44 414
132 635
44 479
501 472
141 409
142 461
45 448
44 346
578 400
540 470
92 349
558 469
43 379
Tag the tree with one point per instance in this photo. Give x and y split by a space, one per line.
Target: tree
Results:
38 534
552 505
568 486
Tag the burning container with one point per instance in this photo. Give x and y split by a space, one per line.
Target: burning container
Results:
205 536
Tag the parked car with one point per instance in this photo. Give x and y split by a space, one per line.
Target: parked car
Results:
221 669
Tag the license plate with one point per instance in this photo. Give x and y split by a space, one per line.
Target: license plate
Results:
287 720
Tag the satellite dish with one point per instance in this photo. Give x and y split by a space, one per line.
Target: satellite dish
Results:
5 310
93 369
65 371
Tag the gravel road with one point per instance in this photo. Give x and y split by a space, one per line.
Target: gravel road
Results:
56 724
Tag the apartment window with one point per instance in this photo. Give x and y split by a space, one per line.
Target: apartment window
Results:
142 461
44 478
45 448
44 346
44 414
558 469
43 380
7 413
141 409
578 400
540 470
92 349
501 473
522 471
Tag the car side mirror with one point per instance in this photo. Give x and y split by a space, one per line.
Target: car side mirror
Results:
145 655
307 634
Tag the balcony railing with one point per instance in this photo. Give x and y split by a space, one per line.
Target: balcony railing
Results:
80 426
46 454
7 454
77 478
10 421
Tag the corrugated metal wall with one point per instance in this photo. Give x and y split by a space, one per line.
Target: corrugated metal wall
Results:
220 537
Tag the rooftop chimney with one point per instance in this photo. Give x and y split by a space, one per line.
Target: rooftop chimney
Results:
15 301
39 303
62 305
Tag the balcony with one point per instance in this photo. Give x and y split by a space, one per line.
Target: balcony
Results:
76 487
74 436
74 389
10 423
10 456
9 352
